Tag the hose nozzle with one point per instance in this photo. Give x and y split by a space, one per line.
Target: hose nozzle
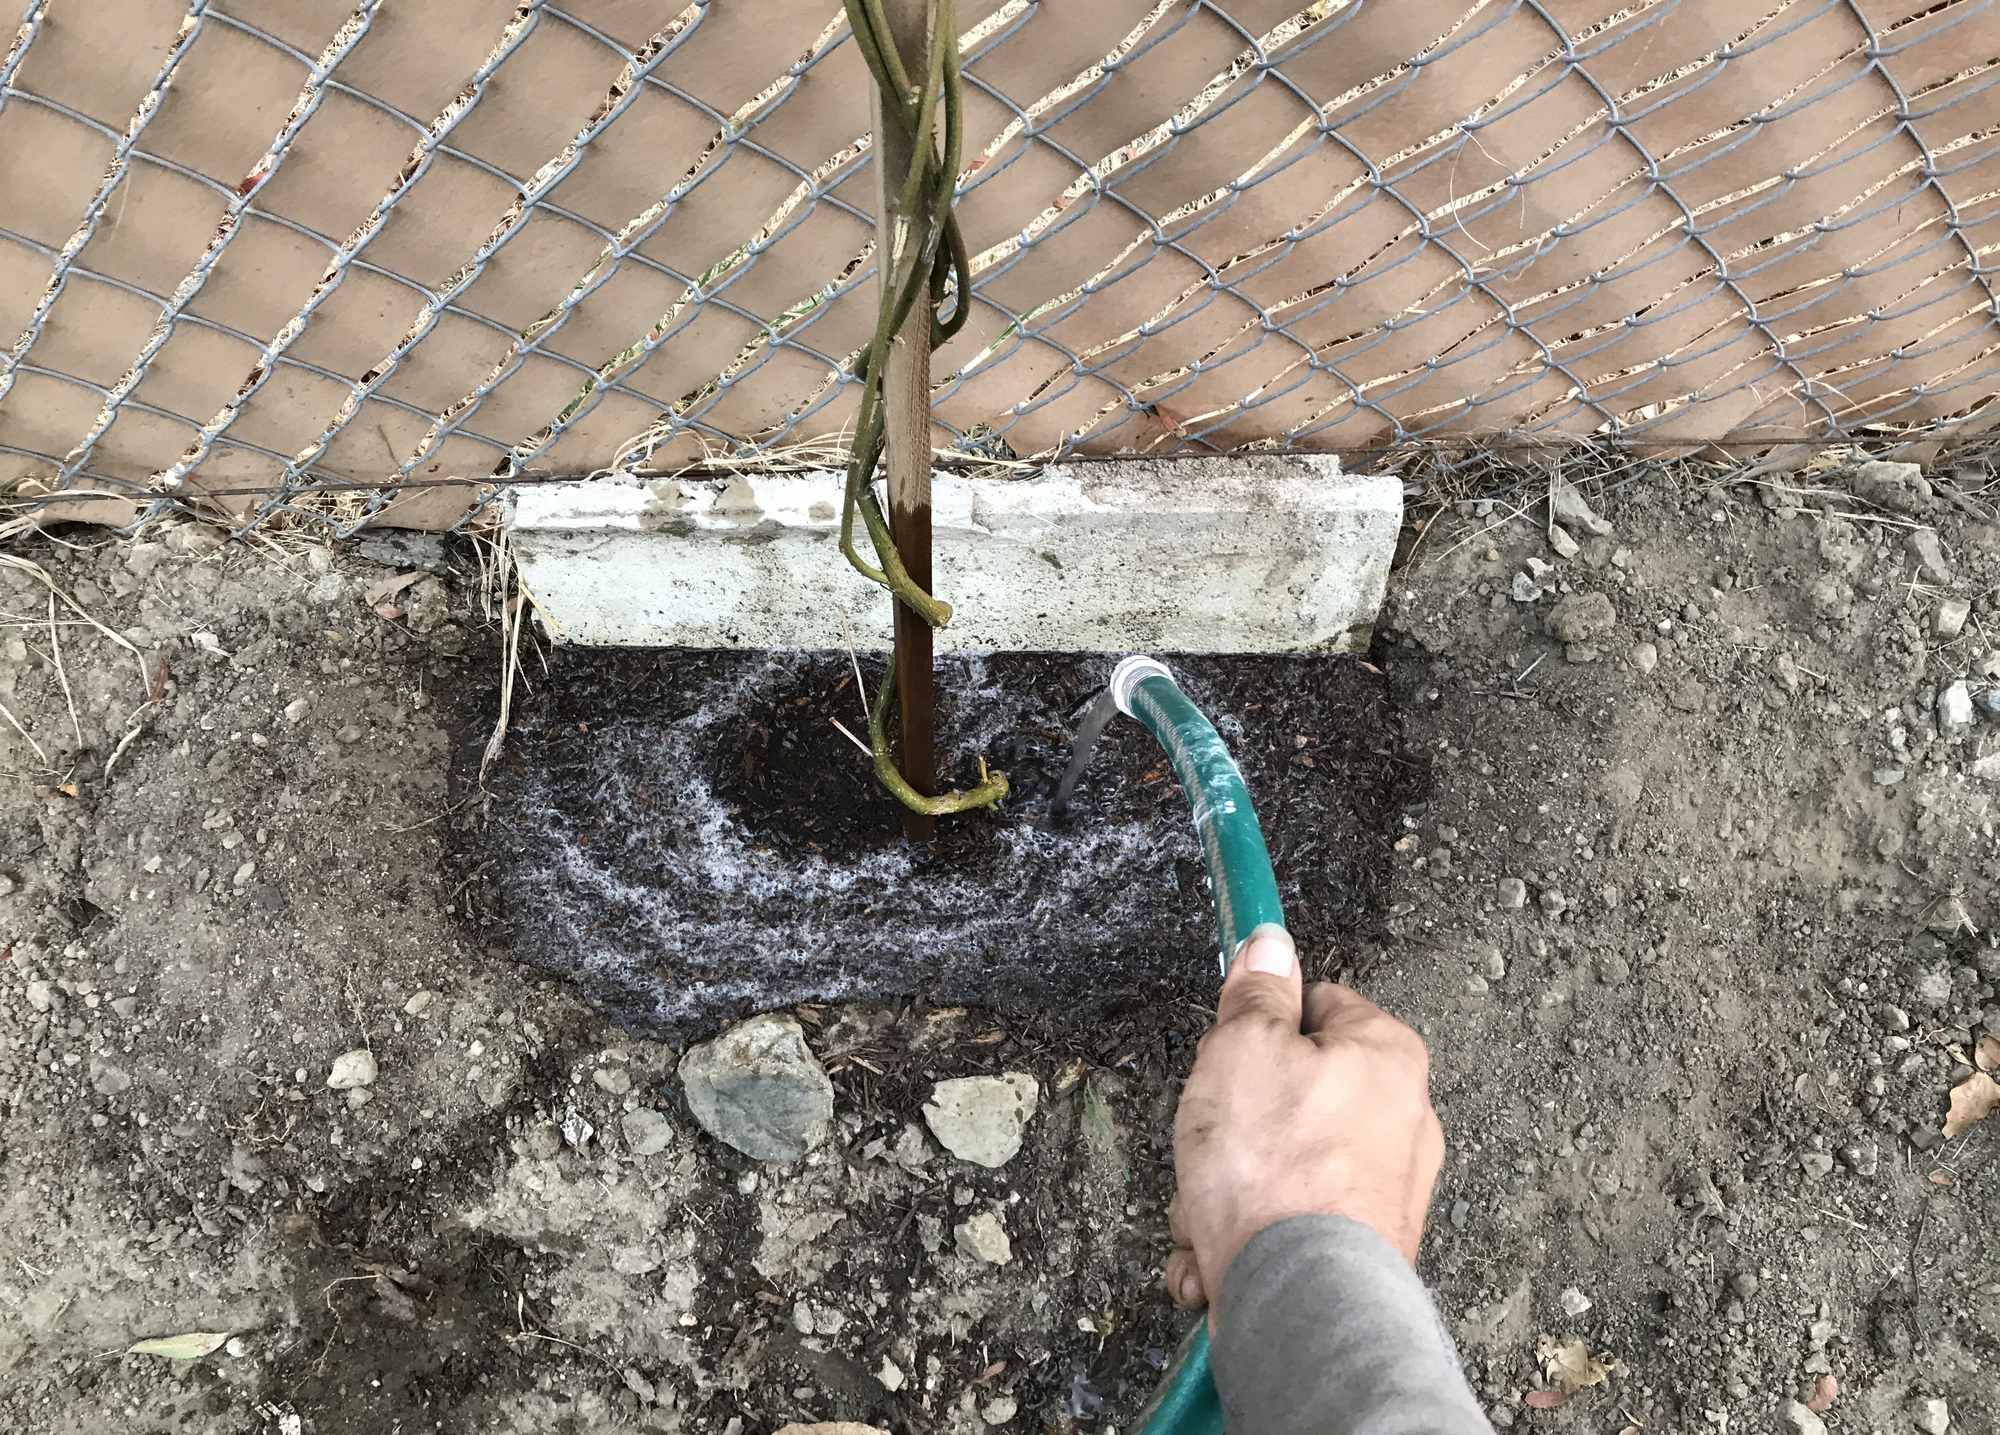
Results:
1129 674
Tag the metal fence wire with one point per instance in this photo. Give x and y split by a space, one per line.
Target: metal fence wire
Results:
288 262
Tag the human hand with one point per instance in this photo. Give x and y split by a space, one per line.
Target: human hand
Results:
1301 1102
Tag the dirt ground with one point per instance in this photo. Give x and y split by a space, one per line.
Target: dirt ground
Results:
1689 892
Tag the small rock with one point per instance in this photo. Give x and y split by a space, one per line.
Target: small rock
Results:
911 1151
981 1118
1863 1158
999 1410
1898 487
639 1385
1574 1302
612 1079
1745 1284
1512 892
647 1132
1580 653
1524 589
1553 903
1475 986
418 1004
1581 617
352 1069
984 1239
1787 669
1893 1016
243 874
1560 543
426 606
1932 1416
44 996
1887 776
1987 768
126 1007
1493 965
348 735
1802 1419
1924 547
1954 708
1816 1164
9 884
1566 504
891 1375
1951 616
1538 570
295 710
1646 657
108 1080
758 1088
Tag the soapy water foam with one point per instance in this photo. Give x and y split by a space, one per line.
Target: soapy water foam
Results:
686 916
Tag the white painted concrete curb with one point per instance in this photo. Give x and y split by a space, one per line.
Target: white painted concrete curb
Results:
1260 555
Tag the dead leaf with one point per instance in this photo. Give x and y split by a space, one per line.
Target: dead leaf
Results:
1825 1392
1571 1366
996 1368
1544 1399
1972 1101
190 1345
378 593
1986 1055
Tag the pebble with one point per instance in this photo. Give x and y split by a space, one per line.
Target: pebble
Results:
984 1239
613 1080
1513 893
1863 1158
43 996
1932 1416
1802 1419
758 1088
1893 1016
126 1007
891 1375
1887 776
1561 543
1524 589
1951 616
1954 708
352 1070
999 1410
1574 1302
295 710
1816 1164
981 1119
1581 617
1553 903
647 1132
420 1003
1923 546
1492 965
1646 657
1567 504
9 884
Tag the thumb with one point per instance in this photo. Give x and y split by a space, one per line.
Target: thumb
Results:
1263 982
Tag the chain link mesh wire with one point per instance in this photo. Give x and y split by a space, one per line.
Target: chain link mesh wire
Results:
377 265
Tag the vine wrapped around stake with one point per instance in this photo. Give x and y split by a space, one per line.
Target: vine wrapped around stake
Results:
992 785
929 256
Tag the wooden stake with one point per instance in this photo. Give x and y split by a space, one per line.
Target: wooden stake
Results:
907 430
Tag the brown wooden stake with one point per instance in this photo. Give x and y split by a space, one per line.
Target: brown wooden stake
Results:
907 431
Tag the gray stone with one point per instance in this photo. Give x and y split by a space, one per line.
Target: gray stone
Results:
1581 617
1567 505
999 1410
1951 616
1512 892
984 1239
1493 965
758 1088
1924 547
403 550
1816 1164
1646 657
911 1151
125 1007
418 1004
1574 1302
1524 589
612 1079
1894 1017
1561 543
1801 1418
1932 1416
1954 708
352 1069
981 1118
44 996
1898 487
647 1132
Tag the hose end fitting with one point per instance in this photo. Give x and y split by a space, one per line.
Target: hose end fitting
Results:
1130 673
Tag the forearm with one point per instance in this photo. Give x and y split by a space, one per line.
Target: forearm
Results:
1323 1329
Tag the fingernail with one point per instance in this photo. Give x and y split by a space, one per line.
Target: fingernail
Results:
1269 949
1190 1289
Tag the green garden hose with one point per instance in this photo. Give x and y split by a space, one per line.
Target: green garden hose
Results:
1246 897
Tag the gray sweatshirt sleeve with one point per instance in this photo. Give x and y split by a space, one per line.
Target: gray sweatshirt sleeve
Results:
1324 1329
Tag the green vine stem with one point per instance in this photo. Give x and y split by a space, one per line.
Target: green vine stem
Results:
992 785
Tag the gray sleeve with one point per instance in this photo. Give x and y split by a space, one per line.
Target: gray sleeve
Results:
1324 1329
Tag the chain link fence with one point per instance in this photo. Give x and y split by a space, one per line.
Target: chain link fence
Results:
284 261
